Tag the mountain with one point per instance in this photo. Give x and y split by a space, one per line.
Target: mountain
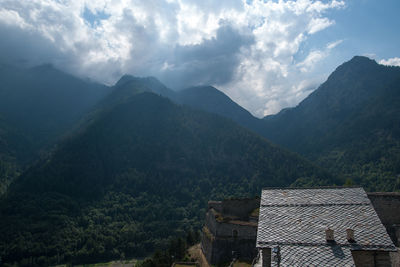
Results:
43 103
128 85
12 145
37 106
350 124
143 160
205 98
212 100
140 172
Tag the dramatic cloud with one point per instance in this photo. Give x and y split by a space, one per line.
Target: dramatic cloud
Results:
249 49
315 56
390 62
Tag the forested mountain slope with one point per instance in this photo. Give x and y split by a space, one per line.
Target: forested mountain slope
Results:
43 103
206 98
140 172
37 106
13 144
139 168
212 100
350 124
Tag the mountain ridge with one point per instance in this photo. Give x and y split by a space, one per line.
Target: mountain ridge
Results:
146 165
141 165
355 110
210 99
43 102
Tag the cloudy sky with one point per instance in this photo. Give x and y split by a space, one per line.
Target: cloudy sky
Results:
266 55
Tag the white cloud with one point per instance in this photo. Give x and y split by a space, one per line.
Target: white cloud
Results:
395 61
334 44
316 56
246 48
11 17
310 61
370 55
318 24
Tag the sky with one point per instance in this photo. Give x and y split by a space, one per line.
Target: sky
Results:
265 55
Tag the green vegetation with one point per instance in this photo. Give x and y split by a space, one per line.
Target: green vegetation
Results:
12 145
43 103
37 106
137 176
177 251
255 212
212 100
241 264
350 125
207 233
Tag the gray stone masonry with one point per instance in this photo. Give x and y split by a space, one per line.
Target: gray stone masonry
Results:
367 258
230 230
387 206
229 226
240 208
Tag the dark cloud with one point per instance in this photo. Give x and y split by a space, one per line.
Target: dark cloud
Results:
23 47
211 62
245 48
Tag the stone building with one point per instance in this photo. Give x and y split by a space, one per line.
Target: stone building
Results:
230 230
321 227
387 206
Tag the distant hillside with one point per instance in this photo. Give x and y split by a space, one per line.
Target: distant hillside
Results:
206 98
212 100
350 124
140 172
149 132
13 144
129 82
43 103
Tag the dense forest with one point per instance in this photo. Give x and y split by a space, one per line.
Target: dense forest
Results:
139 174
13 145
37 106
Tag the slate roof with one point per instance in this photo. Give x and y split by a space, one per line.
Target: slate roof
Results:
296 219
296 256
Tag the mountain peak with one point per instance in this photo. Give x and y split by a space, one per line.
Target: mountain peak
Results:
357 64
362 59
125 79
354 69
204 89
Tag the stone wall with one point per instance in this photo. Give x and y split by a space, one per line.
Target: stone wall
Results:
240 207
207 243
224 250
371 258
211 223
397 228
226 233
387 206
216 205
243 231
219 248
266 257
235 207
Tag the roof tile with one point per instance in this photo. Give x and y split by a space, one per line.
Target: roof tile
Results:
296 219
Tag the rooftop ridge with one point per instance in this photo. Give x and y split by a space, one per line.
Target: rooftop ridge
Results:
315 187
384 193
308 244
315 204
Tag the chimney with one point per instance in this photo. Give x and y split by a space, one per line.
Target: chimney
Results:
329 235
350 235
